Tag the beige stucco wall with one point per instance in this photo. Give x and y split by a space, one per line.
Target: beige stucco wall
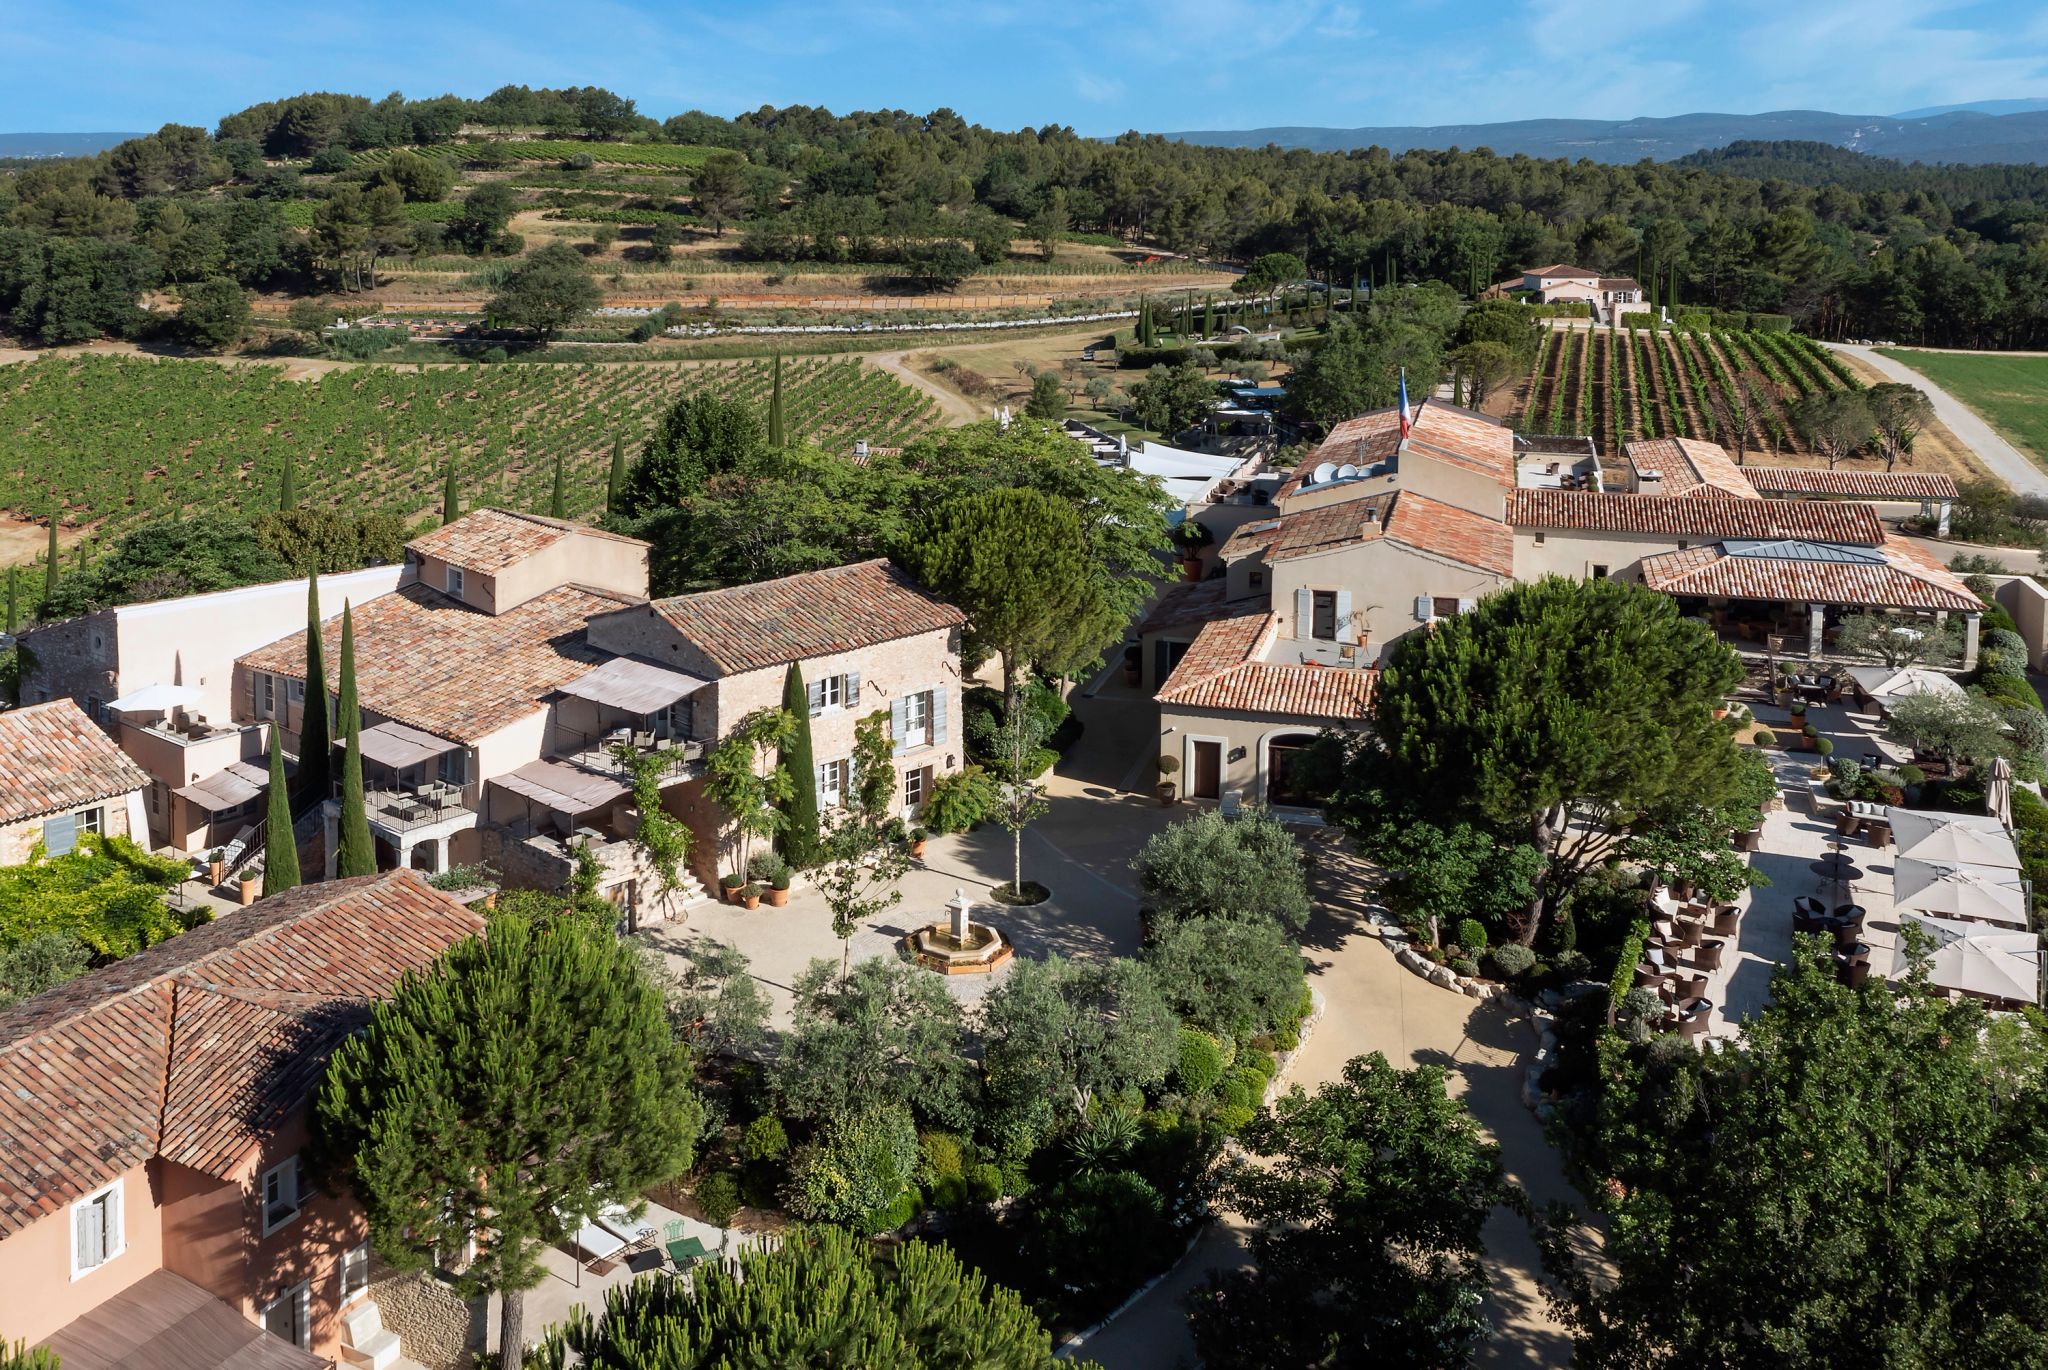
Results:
1573 554
1384 579
2027 602
1180 729
1452 485
37 1294
578 559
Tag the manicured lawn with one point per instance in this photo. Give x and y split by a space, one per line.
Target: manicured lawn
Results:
2011 393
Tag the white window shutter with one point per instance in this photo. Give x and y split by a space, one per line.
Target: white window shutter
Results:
1304 612
897 725
1345 632
939 734
85 1232
814 694
853 689
1466 606
110 1239
1422 608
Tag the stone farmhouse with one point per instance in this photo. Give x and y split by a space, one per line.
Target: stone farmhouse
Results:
1558 283
61 776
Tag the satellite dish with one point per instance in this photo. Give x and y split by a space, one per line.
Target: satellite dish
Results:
1325 471
1346 471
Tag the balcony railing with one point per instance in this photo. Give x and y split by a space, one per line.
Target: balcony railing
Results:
593 751
405 810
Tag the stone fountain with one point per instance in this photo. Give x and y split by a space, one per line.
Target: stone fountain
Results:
958 945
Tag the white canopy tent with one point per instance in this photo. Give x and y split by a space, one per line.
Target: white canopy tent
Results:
156 699
1981 894
1970 959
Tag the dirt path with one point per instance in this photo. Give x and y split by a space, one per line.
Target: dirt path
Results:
957 408
2005 461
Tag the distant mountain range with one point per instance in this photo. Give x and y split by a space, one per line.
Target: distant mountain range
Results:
59 144
1962 134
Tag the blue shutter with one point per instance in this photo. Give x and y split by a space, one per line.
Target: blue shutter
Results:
939 734
60 835
896 725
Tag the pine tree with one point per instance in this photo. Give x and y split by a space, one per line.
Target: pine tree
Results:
50 563
437 1097
775 435
558 502
316 725
451 498
288 484
355 852
616 481
280 847
799 838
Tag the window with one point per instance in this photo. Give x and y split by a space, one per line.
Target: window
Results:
834 692
295 690
280 1194
95 709
92 820
454 580
917 719
1683 545
455 766
1440 607
1258 580
266 695
1539 537
833 779
1599 573
96 1232
1323 622
355 1273
916 785
156 798
285 1315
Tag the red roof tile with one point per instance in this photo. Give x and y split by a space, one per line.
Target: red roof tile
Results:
1464 438
1426 525
1895 576
432 662
1452 533
1799 480
1675 516
1689 466
53 758
488 540
1221 670
1559 271
195 1048
819 613
1184 602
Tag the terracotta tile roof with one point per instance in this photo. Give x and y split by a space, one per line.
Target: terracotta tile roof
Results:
1799 480
1222 671
1186 601
195 1048
1463 438
1455 534
1688 466
1620 283
488 540
52 758
435 664
1329 527
1712 519
1894 576
1250 539
1561 271
1364 441
818 613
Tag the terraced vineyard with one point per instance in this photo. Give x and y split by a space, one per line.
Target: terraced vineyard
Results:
1617 385
115 440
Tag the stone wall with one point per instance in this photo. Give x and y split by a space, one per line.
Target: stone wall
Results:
74 659
18 839
435 1325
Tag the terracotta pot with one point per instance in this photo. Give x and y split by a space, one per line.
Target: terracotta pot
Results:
752 901
778 898
215 870
1165 792
729 893
248 889
917 850
1191 567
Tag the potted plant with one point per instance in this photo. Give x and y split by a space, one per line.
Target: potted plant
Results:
750 895
778 889
918 838
772 873
1168 765
216 866
729 886
251 881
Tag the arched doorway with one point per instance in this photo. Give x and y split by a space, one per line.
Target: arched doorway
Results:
1286 771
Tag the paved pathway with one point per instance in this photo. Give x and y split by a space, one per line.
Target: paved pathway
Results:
2007 462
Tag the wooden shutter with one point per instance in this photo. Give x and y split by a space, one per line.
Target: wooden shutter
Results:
939 733
1466 606
85 1235
1304 612
110 1233
814 695
897 724
60 834
853 689
1422 608
1345 632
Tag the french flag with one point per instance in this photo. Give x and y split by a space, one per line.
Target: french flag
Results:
1407 415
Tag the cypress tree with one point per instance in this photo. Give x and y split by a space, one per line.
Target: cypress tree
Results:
280 849
316 728
799 839
50 563
775 437
558 502
451 498
1671 294
13 600
355 852
288 484
1209 316
615 482
1457 390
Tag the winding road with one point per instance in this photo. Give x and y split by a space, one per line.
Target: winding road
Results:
2007 462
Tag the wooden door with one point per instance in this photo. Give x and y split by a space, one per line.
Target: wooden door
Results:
1207 782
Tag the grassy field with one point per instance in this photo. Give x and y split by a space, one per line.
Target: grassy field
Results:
2009 393
113 441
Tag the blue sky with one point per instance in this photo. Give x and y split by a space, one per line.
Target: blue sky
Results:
1101 67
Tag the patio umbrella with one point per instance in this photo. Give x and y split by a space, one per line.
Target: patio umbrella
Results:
1998 791
1952 840
1968 892
1965 957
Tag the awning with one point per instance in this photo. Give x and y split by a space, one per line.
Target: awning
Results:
1952 839
1982 893
1886 683
638 687
1975 960
567 789
156 699
168 1323
397 746
227 788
